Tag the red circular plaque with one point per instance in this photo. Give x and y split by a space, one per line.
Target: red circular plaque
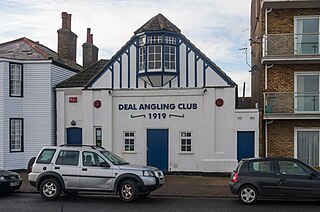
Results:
219 102
97 104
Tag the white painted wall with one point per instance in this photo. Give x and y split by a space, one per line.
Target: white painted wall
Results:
214 128
58 75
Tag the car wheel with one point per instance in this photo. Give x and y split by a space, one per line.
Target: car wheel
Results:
129 191
50 189
248 195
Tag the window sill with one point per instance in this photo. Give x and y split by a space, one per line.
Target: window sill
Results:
186 153
129 152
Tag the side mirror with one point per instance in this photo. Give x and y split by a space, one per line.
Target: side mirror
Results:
313 175
104 164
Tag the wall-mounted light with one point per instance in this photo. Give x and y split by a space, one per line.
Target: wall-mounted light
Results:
73 123
204 90
110 92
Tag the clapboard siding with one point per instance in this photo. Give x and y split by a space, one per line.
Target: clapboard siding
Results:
36 107
58 75
2 70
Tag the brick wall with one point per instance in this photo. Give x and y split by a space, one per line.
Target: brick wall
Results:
280 76
281 136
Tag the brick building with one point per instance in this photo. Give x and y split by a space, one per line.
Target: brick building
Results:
286 77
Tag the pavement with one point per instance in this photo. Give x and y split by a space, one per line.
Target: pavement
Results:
175 186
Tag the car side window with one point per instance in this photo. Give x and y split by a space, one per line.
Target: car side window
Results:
91 159
293 168
46 156
67 157
261 167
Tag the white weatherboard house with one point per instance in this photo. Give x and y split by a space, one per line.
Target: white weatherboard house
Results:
28 75
29 72
158 101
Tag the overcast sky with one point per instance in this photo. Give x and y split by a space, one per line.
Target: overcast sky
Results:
219 28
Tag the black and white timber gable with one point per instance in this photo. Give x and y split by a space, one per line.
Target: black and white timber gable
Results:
158 55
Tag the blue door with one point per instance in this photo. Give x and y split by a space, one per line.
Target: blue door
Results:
74 136
157 148
245 145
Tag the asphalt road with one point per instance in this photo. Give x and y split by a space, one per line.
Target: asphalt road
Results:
20 202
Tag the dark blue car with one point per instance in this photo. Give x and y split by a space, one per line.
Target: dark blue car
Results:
274 177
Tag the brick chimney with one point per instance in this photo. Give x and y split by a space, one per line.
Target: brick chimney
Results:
67 41
90 51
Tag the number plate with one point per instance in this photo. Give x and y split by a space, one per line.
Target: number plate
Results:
14 183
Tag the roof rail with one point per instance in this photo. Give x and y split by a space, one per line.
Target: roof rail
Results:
81 145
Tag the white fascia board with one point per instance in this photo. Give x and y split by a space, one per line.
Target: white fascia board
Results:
24 61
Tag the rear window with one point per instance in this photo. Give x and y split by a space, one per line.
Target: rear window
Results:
239 165
261 167
70 158
46 156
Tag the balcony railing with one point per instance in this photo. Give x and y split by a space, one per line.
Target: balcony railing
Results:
291 103
291 44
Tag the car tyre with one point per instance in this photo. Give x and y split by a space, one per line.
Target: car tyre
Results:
50 189
129 191
248 195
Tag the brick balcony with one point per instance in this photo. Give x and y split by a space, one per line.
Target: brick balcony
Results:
291 48
289 105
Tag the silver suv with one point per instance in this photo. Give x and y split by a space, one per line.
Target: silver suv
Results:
87 168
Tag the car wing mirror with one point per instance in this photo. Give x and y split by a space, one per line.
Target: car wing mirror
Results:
313 175
104 164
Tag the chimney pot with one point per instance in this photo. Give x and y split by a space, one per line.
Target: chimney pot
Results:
64 16
90 51
69 22
67 41
89 37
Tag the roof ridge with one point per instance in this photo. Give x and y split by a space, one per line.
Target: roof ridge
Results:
35 47
158 23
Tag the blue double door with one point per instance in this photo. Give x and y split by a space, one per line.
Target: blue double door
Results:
157 148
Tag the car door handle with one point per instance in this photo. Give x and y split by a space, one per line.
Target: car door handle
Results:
57 167
282 181
84 169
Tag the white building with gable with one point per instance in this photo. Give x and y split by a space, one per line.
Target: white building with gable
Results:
158 101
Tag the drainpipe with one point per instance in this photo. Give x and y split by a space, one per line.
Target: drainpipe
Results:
266 137
266 44
265 52
266 75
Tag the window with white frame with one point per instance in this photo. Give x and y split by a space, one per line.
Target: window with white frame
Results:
16 135
307 92
142 58
16 82
307 146
154 57
307 35
129 138
170 57
186 141
98 136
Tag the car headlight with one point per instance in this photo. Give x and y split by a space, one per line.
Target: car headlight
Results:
148 173
2 178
